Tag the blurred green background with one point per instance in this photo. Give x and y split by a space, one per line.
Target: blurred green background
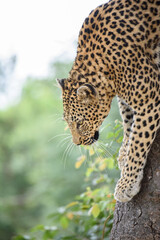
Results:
37 159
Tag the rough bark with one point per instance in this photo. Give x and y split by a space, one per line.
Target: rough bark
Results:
139 219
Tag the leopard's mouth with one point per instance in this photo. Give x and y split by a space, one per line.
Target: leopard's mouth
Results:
87 141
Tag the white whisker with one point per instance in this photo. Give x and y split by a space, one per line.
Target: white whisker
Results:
96 152
59 135
67 152
64 141
105 150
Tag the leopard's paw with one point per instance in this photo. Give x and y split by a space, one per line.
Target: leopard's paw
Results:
125 190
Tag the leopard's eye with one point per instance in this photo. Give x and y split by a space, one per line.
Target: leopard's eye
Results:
79 123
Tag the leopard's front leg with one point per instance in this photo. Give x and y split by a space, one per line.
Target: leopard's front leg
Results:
143 133
127 117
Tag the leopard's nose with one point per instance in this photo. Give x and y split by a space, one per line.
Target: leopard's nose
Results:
96 135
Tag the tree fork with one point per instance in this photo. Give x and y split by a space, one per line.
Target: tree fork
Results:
139 219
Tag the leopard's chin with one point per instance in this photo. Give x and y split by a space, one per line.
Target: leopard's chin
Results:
91 140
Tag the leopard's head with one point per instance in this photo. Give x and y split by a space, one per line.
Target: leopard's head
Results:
85 106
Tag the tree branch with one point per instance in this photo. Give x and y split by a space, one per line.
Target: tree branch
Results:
139 219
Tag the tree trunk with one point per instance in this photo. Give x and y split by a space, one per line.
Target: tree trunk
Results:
139 219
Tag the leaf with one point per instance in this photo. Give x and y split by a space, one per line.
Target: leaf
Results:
103 205
37 228
72 204
69 238
89 171
95 210
85 206
118 132
110 135
91 151
23 238
110 163
64 222
117 126
48 235
102 166
80 161
101 179
120 139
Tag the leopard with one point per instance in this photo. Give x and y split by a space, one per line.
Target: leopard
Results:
118 55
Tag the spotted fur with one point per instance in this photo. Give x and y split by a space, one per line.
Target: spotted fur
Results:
118 54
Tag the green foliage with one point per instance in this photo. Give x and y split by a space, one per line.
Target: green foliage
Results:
43 173
90 215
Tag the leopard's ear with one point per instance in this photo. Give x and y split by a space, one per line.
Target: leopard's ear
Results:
61 82
87 94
